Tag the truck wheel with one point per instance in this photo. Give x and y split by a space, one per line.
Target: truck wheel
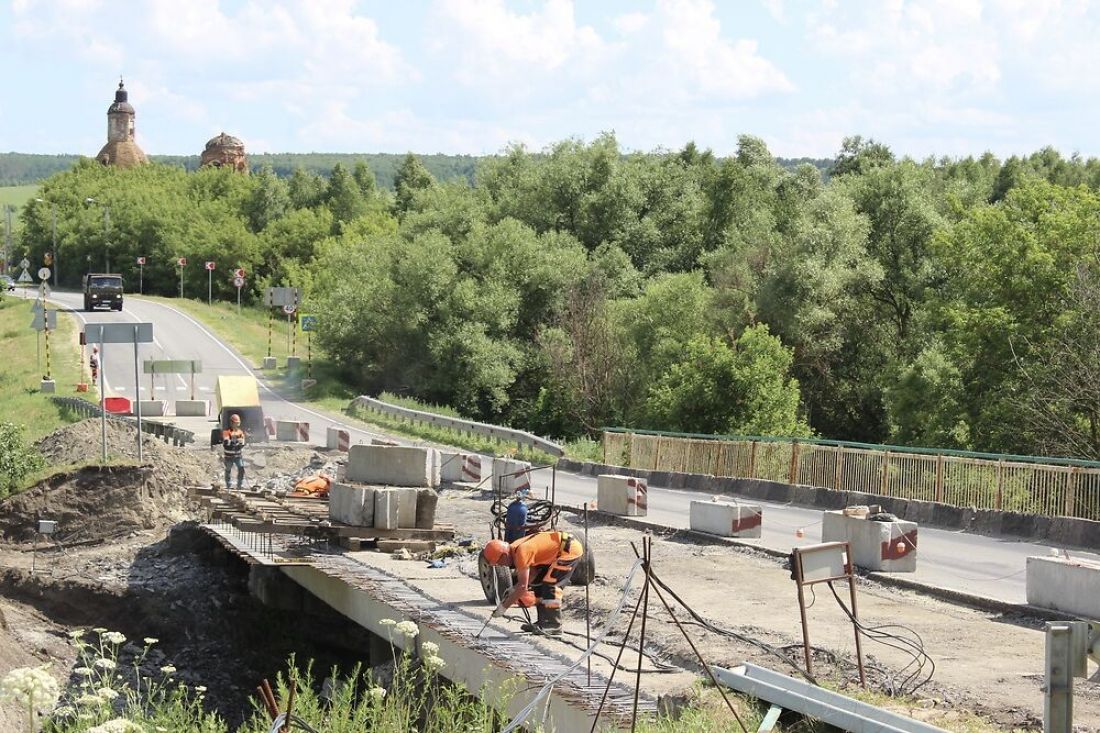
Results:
585 572
496 580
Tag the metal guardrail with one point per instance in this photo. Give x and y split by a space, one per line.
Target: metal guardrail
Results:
1006 483
495 432
168 433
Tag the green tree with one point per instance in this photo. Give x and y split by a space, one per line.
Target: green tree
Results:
17 459
411 177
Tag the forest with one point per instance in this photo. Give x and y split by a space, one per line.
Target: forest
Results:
951 303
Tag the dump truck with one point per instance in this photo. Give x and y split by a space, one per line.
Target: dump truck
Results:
102 290
240 395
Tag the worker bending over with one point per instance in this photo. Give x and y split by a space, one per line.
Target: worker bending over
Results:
233 440
543 562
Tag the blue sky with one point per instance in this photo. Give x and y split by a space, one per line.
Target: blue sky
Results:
927 77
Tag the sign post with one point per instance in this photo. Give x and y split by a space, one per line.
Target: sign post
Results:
238 282
309 325
210 283
275 298
153 367
141 275
181 263
118 333
289 309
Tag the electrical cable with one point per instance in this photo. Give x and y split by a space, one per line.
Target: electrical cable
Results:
539 512
662 667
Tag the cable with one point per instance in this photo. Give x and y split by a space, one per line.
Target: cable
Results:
539 512
661 666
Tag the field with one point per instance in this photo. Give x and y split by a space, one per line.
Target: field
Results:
16 196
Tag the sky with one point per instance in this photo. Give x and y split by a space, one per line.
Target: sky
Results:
926 77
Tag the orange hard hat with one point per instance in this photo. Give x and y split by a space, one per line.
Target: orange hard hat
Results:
495 551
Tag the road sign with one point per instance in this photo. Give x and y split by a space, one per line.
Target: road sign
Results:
119 333
182 262
43 273
309 322
275 297
239 272
36 306
151 366
209 265
238 282
38 324
289 309
24 263
141 260
25 277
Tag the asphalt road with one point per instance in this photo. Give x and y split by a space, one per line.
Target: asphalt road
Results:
970 563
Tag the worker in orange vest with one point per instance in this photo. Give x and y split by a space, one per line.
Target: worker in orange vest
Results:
233 440
544 562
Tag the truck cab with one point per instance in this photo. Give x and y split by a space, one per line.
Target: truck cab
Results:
102 290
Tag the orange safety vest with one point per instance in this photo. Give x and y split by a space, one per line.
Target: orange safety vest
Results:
545 548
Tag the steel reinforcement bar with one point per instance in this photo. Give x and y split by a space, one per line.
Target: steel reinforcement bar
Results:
1025 484
494 432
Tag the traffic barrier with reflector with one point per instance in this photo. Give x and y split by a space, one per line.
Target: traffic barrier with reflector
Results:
292 431
337 439
117 405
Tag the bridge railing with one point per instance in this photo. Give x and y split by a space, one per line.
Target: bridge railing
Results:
494 432
166 432
1028 484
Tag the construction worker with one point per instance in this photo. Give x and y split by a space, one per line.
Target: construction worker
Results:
233 440
93 363
544 562
515 518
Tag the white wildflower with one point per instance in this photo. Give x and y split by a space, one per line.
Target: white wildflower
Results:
377 693
388 622
88 699
84 671
200 689
118 725
76 633
99 630
408 628
434 663
105 664
106 693
149 640
114 637
65 711
429 649
30 687
168 669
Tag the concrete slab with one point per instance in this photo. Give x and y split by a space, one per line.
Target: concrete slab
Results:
337 439
623 495
885 546
192 408
406 507
450 466
352 505
386 509
726 518
47 386
293 362
1064 584
270 362
152 408
511 475
291 430
390 465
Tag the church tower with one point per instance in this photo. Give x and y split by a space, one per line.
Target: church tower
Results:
121 150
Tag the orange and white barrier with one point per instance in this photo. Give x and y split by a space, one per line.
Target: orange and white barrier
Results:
726 518
337 439
292 431
623 495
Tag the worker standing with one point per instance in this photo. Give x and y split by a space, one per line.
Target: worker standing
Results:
93 364
515 518
233 440
544 562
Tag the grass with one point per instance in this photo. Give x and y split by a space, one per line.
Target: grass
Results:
247 332
20 400
16 197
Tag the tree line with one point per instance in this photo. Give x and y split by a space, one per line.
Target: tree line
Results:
943 302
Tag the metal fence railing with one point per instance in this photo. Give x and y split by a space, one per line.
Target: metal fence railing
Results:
1028 484
166 432
494 432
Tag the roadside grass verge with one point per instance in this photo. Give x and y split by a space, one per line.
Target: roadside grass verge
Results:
248 334
20 401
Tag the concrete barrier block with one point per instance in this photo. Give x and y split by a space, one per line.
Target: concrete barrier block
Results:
293 362
437 464
383 441
1067 585
426 501
152 408
269 362
406 507
390 465
450 465
386 509
477 468
47 386
885 546
291 430
351 504
622 495
192 408
337 439
510 475
726 518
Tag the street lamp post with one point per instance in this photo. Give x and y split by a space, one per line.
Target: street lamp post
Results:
106 231
53 231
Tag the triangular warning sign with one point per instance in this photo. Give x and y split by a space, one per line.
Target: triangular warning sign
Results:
25 277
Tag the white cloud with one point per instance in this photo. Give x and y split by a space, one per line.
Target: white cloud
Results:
630 22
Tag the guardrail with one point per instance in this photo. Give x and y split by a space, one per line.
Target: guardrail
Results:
1027 484
494 432
166 432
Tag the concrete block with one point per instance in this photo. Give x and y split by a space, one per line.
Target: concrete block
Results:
390 465
47 386
477 469
886 546
269 362
1061 584
383 441
152 408
352 505
386 509
292 431
337 439
726 518
511 476
622 495
406 507
192 408
450 465
426 500
293 362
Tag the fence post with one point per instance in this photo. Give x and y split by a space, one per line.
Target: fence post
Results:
657 455
628 449
884 481
839 476
999 501
939 478
752 459
792 475
1071 492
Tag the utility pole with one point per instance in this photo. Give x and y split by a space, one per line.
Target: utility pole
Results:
7 239
53 233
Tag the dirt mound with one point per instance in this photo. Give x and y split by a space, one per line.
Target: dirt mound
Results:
80 443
